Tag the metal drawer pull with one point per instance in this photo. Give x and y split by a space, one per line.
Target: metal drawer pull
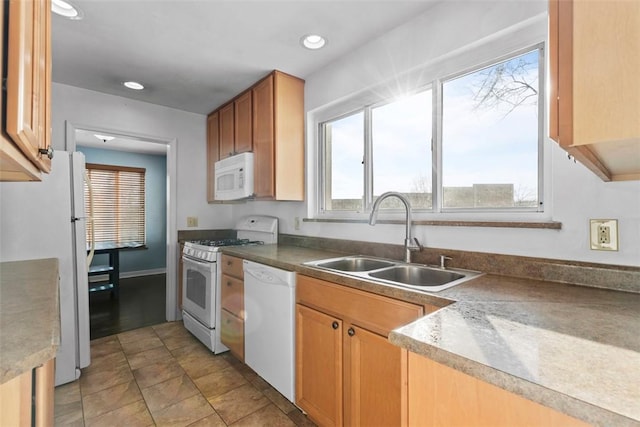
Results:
351 332
335 325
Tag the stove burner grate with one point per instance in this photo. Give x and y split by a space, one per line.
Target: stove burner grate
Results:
226 242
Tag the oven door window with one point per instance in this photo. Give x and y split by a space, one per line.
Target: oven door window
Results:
197 288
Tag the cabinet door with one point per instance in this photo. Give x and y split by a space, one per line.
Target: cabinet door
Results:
289 136
319 365
594 91
232 295
232 266
263 139
442 396
243 140
15 401
29 78
232 333
226 131
213 152
375 379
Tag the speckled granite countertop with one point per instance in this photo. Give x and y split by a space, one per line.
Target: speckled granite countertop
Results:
29 315
571 348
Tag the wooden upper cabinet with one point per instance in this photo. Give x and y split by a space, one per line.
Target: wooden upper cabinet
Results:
27 51
213 151
243 140
226 130
268 119
263 139
595 91
278 137
235 127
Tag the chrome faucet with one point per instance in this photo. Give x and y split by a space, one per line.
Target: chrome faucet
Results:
409 245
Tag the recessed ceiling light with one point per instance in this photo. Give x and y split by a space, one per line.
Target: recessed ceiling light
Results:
66 9
313 41
104 138
133 85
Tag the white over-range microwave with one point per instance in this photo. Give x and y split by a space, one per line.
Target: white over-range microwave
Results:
233 177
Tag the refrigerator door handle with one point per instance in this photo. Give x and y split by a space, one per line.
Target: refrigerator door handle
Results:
91 221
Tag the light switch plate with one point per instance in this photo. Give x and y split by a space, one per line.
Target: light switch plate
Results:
192 221
604 234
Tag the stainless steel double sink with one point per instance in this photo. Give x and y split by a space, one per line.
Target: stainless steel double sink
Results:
413 276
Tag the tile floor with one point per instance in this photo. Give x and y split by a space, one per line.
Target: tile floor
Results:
161 375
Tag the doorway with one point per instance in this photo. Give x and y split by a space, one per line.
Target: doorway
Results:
107 145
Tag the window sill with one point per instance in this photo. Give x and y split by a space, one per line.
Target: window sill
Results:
549 225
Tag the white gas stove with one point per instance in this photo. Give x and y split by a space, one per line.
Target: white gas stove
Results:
206 250
201 276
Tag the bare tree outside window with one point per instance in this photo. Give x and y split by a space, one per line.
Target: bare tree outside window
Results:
507 85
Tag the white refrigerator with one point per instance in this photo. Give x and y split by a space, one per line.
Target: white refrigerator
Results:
47 220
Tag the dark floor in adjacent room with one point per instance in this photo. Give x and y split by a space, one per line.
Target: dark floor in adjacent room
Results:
141 303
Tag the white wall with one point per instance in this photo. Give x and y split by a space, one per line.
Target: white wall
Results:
574 194
97 110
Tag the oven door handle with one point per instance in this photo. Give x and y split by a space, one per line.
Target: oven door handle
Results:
197 262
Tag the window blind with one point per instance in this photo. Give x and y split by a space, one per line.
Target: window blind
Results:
118 203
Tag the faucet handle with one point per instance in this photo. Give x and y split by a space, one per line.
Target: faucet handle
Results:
412 244
443 259
418 246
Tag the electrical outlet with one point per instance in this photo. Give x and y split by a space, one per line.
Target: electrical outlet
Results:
192 221
604 234
296 223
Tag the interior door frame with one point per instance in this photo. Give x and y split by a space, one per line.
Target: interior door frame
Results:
172 312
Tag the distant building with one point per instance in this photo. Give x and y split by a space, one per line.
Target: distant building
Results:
476 196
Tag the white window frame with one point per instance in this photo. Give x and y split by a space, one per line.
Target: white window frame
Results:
438 127
465 62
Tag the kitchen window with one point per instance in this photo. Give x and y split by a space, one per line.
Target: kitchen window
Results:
117 203
468 142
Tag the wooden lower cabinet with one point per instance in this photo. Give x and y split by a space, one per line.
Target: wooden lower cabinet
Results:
29 394
441 396
377 375
319 365
232 305
347 372
232 333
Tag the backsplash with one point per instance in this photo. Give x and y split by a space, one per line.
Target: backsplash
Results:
184 235
620 278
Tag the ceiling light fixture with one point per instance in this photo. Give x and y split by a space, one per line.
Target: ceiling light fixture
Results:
133 85
66 9
103 138
313 41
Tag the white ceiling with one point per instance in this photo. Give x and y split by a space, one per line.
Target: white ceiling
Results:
194 55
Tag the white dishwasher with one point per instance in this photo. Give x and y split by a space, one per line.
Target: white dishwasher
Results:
269 325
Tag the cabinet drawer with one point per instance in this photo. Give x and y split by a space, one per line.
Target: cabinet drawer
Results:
232 295
232 266
232 333
374 312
